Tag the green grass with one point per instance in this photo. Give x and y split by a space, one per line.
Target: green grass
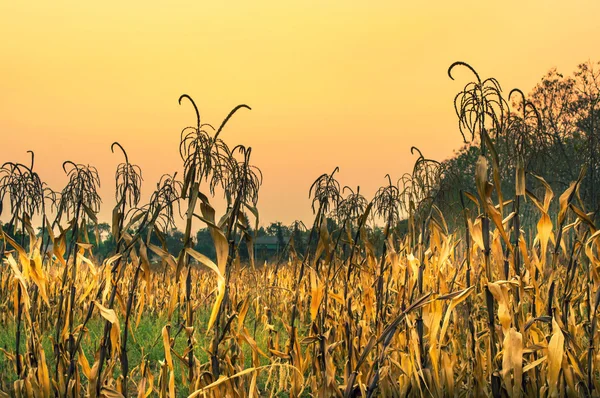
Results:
143 341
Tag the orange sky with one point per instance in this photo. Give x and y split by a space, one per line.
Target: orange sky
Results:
330 83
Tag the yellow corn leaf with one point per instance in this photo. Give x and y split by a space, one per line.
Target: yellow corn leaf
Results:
220 283
43 374
481 170
472 197
252 385
82 259
85 365
254 212
512 361
369 301
549 194
563 201
172 384
544 230
23 258
85 246
19 280
496 217
116 219
256 351
141 304
222 379
164 255
242 314
555 358
592 237
219 238
476 233
414 266
111 260
534 364
432 315
500 293
566 197
111 316
60 246
337 297
317 290
37 275
447 365
167 346
524 253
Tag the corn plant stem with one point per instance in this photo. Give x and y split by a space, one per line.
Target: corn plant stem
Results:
19 315
123 356
58 345
592 321
111 301
188 282
323 309
294 314
104 343
218 336
18 332
379 317
348 300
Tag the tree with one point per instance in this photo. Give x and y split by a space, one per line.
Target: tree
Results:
204 244
587 90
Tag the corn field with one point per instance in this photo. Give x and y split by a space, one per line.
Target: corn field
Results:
491 306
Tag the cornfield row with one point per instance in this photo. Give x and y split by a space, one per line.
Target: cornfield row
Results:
490 307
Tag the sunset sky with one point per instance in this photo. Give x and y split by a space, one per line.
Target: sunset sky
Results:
331 83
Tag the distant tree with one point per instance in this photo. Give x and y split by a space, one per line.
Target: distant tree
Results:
587 88
174 240
261 232
278 230
205 244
